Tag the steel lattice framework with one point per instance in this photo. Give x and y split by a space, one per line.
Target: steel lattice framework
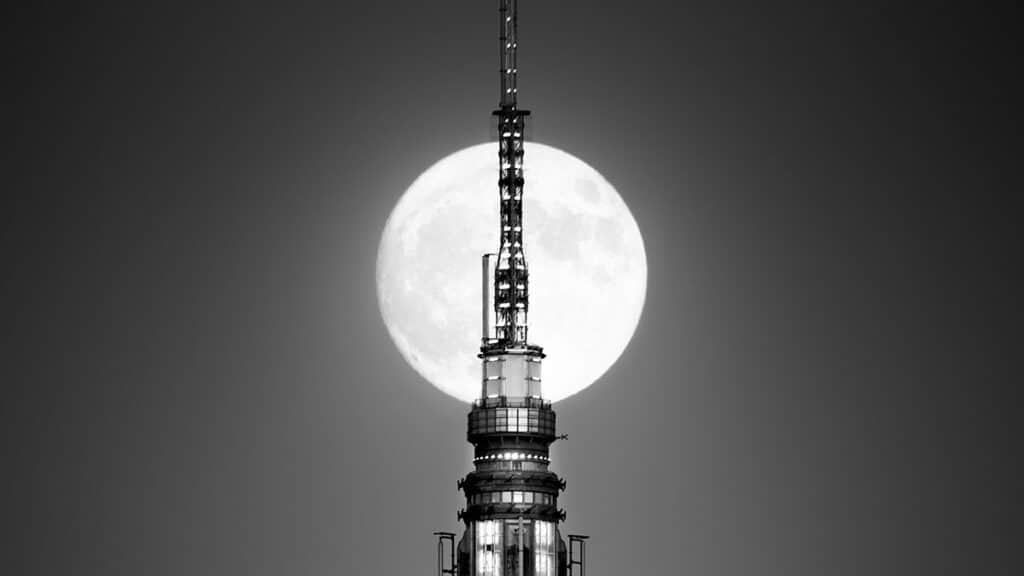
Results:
511 276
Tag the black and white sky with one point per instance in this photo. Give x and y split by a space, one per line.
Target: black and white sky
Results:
197 380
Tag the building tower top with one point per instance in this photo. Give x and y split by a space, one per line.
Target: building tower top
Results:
512 515
511 364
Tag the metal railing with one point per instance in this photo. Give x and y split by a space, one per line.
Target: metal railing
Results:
505 402
578 541
441 538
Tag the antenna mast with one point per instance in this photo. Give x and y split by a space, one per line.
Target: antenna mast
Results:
512 515
511 278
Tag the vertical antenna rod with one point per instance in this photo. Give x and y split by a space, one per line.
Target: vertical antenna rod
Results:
508 37
511 279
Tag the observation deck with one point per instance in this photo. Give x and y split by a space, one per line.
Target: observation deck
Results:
511 439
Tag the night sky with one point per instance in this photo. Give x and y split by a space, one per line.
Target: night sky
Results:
197 380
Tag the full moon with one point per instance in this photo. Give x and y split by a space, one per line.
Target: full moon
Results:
588 269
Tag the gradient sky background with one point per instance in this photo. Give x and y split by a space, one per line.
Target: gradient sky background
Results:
198 381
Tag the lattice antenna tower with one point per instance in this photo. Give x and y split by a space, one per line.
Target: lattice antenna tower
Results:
511 296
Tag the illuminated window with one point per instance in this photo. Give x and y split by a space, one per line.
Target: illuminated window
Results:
492 369
544 549
533 370
488 547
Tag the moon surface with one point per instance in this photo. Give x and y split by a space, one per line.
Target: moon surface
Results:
588 268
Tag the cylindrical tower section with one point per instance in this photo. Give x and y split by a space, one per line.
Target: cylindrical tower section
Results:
512 511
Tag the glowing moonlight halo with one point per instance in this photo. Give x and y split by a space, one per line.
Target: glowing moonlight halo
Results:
588 269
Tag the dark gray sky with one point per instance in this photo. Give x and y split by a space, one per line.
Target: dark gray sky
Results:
197 380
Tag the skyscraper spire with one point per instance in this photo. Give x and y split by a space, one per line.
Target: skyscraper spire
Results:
511 277
509 42
511 516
